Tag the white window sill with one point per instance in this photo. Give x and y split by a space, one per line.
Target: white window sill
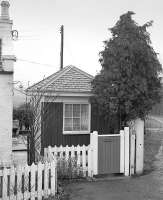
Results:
75 132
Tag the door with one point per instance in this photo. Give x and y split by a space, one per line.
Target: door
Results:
108 154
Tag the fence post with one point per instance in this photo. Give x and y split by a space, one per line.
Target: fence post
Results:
94 146
122 156
139 128
126 131
132 152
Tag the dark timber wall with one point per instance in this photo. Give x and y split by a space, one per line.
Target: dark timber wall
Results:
52 125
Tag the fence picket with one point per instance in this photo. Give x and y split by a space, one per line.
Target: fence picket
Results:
19 183
53 177
39 185
67 152
46 179
32 184
4 182
72 151
12 182
26 182
90 167
84 160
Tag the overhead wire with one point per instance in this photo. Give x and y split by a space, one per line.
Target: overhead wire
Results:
37 63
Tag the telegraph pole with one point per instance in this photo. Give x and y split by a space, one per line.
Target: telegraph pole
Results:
61 52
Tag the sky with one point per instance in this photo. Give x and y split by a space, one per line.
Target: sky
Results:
86 24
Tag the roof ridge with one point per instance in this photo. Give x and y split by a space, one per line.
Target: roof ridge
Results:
64 70
50 76
83 72
45 83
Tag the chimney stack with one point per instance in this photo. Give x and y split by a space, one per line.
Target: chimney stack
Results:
5 10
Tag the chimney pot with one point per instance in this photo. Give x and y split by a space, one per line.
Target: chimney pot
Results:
5 10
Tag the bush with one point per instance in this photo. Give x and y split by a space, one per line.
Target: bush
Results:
68 168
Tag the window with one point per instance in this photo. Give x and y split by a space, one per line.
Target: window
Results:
76 118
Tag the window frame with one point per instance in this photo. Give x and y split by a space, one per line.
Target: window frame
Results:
89 119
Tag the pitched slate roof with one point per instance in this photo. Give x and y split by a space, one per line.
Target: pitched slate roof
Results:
69 79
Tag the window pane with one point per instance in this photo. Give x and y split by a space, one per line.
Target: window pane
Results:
76 110
84 117
68 124
76 124
68 110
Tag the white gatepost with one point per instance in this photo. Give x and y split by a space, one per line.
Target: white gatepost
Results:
94 147
132 152
139 128
122 158
127 151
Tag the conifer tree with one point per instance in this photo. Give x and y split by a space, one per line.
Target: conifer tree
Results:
128 84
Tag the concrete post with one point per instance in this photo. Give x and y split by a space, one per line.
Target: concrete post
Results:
139 129
127 151
94 146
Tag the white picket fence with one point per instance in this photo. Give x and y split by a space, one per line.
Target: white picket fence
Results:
81 154
86 157
28 182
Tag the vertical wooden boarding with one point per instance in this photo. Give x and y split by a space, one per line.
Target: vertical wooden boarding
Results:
127 151
109 154
122 153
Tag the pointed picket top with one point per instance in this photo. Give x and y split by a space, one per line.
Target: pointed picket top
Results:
67 152
72 151
33 165
78 147
40 165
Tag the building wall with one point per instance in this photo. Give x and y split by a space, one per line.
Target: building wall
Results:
5 118
6 85
52 124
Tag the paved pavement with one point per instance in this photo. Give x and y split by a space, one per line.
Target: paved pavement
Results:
145 187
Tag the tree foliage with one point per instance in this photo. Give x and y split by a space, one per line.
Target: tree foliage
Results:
128 83
24 114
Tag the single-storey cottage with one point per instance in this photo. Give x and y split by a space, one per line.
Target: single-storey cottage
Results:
67 117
